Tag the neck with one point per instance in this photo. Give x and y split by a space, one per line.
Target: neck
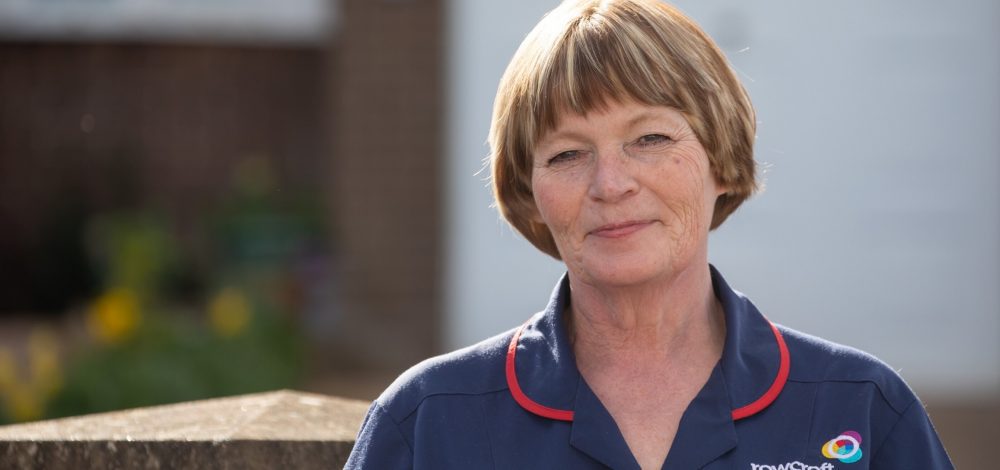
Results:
652 320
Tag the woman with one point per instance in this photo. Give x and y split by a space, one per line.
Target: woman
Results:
620 137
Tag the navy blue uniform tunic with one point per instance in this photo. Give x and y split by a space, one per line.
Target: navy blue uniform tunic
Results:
777 400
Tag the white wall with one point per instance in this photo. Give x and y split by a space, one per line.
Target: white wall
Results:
880 226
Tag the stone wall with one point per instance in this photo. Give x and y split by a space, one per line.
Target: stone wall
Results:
282 429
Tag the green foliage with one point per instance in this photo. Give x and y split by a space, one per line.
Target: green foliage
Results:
177 358
165 329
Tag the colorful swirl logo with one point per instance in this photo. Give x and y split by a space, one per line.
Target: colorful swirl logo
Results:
846 447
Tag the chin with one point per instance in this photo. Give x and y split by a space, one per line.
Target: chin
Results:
621 272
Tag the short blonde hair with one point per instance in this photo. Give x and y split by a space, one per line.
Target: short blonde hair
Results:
587 52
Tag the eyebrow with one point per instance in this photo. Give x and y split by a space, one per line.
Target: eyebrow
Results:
648 115
641 117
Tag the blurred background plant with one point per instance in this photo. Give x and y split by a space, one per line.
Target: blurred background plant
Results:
162 329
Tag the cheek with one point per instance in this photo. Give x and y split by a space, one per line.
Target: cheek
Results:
557 209
546 202
679 180
685 190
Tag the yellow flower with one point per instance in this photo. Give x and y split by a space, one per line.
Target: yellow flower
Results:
43 354
25 400
8 371
114 316
229 312
23 403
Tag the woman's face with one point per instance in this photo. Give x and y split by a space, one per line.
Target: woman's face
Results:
626 192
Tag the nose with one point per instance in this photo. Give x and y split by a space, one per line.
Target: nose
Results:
612 178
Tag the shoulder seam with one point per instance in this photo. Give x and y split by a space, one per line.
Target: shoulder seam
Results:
416 406
395 425
878 387
875 450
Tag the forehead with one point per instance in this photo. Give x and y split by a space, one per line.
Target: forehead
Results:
591 94
613 115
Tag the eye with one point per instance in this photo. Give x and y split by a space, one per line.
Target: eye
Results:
652 140
566 156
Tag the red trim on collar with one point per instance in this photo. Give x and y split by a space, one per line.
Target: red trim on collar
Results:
567 415
519 396
779 382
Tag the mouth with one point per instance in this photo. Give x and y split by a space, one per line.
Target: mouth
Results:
620 230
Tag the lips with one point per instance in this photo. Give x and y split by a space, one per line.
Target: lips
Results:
620 230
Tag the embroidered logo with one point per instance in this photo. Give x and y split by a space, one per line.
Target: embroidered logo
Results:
846 447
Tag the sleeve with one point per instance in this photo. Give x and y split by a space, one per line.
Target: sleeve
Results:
912 443
380 445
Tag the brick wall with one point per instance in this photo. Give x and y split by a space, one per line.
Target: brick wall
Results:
162 126
95 127
387 176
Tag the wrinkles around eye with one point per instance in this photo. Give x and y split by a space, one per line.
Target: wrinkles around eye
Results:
652 141
565 157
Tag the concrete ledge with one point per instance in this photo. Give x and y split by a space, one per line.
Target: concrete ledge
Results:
282 429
